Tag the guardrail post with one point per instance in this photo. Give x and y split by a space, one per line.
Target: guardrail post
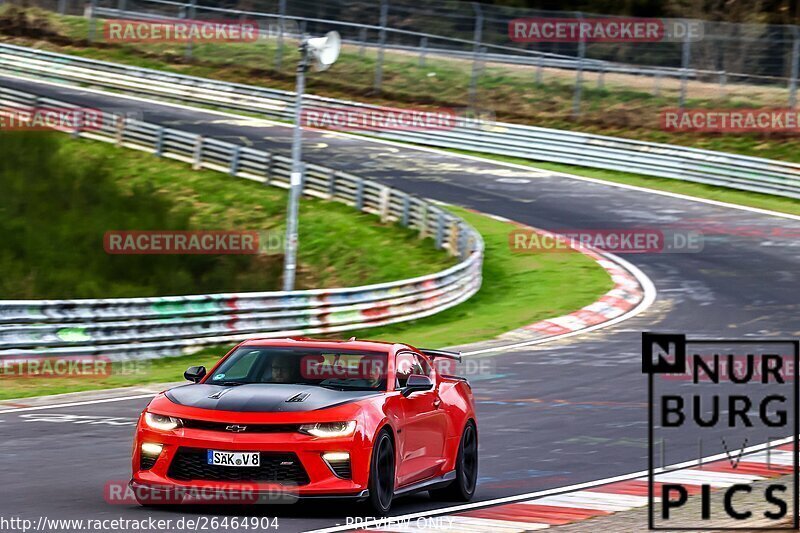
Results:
268 170
440 231
386 198
601 76
90 13
362 38
476 54
62 7
360 194
406 217
120 133
657 83
121 5
686 55
381 46
197 160
423 46
332 175
236 157
576 100
423 223
281 29
453 240
76 131
159 150
463 240
794 68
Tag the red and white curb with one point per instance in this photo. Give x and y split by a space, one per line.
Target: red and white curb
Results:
568 505
632 293
604 500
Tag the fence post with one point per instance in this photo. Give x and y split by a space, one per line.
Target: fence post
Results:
92 13
192 15
576 99
381 45
281 29
362 38
793 68
686 56
423 45
476 54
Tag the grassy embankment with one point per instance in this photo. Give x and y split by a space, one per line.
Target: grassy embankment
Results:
58 196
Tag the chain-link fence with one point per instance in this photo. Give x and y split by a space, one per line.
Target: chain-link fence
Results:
729 64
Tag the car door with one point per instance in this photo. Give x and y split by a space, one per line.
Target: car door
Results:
424 425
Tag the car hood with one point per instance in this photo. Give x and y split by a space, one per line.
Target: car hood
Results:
263 397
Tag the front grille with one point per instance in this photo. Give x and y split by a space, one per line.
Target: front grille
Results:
249 428
146 462
191 464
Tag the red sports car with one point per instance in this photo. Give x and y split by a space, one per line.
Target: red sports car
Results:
309 418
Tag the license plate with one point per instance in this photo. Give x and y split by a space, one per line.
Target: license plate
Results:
238 459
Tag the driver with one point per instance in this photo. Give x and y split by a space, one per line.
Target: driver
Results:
282 370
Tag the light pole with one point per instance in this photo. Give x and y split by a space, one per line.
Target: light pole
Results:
325 52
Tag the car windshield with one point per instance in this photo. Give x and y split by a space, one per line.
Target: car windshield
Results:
334 369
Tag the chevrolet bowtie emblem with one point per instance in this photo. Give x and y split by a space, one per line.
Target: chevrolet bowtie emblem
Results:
236 428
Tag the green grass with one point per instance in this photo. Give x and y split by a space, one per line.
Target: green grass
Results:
58 197
518 289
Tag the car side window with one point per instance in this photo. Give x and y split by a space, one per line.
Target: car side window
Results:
407 364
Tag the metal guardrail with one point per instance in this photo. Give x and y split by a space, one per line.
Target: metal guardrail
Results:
542 144
148 327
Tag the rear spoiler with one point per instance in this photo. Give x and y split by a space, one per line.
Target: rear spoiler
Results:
434 354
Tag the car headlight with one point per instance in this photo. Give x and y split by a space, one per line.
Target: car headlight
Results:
329 429
162 422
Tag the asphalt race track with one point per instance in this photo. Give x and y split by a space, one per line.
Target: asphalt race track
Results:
562 413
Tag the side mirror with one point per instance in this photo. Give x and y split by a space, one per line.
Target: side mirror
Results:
195 373
417 383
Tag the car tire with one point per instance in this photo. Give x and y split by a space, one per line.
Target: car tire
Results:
382 474
462 489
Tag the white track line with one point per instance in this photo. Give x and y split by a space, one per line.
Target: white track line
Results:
75 404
